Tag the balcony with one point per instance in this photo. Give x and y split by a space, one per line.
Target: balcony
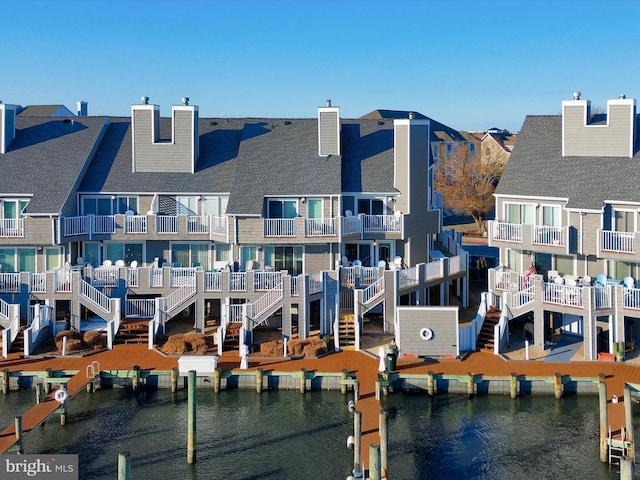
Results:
617 242
12 227
537 238
150 225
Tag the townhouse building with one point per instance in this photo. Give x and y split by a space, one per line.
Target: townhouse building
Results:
227 222
567 206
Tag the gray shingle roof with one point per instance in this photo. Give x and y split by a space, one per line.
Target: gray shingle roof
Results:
45 159
537 169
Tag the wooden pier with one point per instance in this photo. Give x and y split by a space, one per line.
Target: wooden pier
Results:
361 367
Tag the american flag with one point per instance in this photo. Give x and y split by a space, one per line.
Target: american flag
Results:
531 271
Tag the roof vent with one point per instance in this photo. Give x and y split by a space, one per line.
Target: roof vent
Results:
287 122
328 103
411 115
576 95
185 100
145 100
622 97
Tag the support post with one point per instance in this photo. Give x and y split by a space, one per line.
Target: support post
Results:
384 442
343 377
628 416
39 392
385 383
217 379
513 385
124 465
18 427
47 385
374 461
63 407
356 391
175 374
191 417
431 383
357 441
259 375
604 418
135 380
303 380
471 384
557 385
5 381
626 468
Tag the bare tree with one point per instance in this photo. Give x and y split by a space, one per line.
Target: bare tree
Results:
467 182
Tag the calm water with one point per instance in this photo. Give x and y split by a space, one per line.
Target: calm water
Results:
286 435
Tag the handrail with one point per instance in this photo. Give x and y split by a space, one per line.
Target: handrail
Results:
94 295
373 291
177 298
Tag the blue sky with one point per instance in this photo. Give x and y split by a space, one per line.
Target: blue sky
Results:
469 64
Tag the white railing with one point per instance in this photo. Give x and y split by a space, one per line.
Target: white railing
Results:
140 308
368 275
566 295
135 224
458 264
500 330
95 296
382 223
104 224
9 282
509 280
198 224
12 331
237 282
266 280
435 270
167 224
348 276
105 276
320 227
409 277
63 278
546 235
154 327
632 298
264 303
351 225
315 282
523 297
603 296
38 282
12 227
177 298
623 242
507 232
218 224
133 277
213 281
295 286
182 276
156 277
373 291
76 226
4 310
279 227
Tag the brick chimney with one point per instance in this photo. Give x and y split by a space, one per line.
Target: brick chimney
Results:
150 153
613 137
7 126
328 130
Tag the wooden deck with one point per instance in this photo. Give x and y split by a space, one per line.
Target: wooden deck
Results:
124 357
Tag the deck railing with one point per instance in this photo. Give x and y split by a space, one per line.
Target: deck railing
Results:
95 296
506 232
38 282
213 281
12 227
320 227
546 235
9 282
279 227
621 242
381 223
140 308
167 224
373 291
135 224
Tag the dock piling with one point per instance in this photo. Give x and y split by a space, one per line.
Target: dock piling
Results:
604 418
628 415
343 377
303 380
374 461
259 375
513 385
217 379
39 392
384 442
5 381
63 406
124 465
557 385
431 382
47 385
18 427
135 380
471 384
357 441
191 418
174 379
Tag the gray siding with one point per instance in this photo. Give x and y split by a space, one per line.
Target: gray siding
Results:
613 140
152 155
401 173
443 321
329 135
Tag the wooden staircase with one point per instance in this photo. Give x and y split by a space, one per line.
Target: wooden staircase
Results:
347 328
232 336
17 346
486 337
133 332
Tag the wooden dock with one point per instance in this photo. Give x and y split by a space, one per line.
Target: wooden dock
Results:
365 368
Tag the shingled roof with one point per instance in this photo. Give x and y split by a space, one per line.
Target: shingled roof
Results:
46 158
537 168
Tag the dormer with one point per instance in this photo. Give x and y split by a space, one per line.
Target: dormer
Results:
611 136
328 130
150 153
7 126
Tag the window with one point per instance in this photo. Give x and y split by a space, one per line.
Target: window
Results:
27 260
17 260
619 270
223 252
551 216
91 253
359 251
53 258
624 221
125 203
370 206
282 209
248 254
123 251
565 265
520 213
195 254
7 260
513 260
12 208
108 205
314 208
187 205
216 206
284 258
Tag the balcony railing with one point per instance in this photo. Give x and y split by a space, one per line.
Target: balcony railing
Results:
381 223
279 227
506 232
320 227
619 242
135 224
546 235
12 227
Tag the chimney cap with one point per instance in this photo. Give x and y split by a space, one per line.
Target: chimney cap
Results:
411 115
576 95
622 96
145 100
185 100
328 103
